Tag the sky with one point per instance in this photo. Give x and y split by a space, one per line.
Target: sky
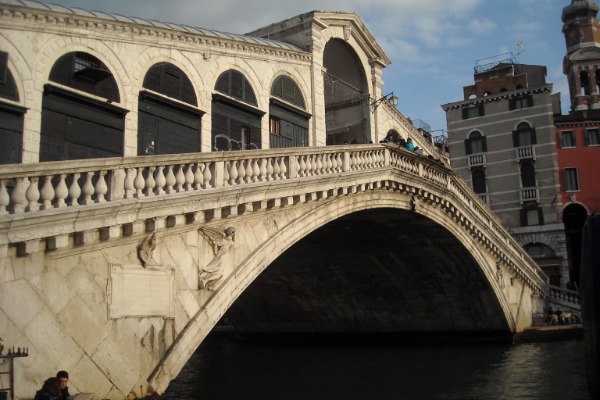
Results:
434 45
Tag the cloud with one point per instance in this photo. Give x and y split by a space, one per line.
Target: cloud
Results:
480 26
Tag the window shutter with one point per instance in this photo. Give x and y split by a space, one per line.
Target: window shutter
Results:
515 135
468 146
481 110
523 217
465 113
484 143
587 138
533 136
530 101
512 104
541 216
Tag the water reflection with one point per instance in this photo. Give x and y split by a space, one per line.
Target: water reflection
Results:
225 369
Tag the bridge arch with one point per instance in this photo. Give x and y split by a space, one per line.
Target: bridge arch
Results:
302 224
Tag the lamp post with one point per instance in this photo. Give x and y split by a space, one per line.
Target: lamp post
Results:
390 98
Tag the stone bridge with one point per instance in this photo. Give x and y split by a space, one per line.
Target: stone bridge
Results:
116 269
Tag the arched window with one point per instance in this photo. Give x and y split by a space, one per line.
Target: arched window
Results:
166 126
235 118
11 116
476 143
288 120
75 125
584 81
528 175
524 135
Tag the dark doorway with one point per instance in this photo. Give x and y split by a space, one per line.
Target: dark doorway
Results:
574 216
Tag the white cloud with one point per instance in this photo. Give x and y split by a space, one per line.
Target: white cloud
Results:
480 26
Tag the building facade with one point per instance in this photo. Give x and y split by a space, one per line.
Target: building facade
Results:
501 141
578 133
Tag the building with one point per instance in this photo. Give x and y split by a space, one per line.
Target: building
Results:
79 84
501 140
578 133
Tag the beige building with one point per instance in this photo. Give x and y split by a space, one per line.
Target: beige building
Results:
501 141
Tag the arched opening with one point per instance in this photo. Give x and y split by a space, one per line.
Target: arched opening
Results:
346 95
11 116
75 125
235 116
476 143
524 135
166 126
584 81
544 256
574 217
288 119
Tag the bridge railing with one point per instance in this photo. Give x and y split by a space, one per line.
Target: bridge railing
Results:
30 188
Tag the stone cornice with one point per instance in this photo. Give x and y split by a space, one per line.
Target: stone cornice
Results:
503 96
51 21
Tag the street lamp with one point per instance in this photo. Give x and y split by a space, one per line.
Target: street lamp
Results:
390 98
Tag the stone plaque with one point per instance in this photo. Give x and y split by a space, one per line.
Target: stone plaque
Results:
140 292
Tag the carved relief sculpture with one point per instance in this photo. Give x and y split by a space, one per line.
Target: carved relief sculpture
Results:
146 248
221 243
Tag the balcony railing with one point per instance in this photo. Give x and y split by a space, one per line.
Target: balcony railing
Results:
484 197
476 160
530 194
525 152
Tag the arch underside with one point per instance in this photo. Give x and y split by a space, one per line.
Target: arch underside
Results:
374 271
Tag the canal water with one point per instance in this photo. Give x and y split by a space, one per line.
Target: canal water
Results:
224 368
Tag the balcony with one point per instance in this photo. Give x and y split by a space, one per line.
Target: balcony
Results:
525 152
476 160
530 194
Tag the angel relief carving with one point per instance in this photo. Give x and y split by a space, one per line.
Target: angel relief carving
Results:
146 249
221 242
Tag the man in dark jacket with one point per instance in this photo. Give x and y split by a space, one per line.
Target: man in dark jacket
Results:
64 381
50 390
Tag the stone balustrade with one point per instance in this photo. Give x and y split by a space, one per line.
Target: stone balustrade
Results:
564 297
49 189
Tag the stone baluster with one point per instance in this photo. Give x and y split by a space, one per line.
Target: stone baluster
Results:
207 176
188 181
263 169
160 180
250 177
313 165
319 162
150 182
269 169
256 170
233 172
74 190
179 179
88 188
170 180
339 162
198 176
61 192
330 158
128 185
33 194
241 170
4 198
47 193
302 166
276 168
139 183
101 187
283 168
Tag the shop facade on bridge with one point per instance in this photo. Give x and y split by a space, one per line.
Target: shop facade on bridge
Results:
79 84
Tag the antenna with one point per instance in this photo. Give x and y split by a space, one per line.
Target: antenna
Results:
520 49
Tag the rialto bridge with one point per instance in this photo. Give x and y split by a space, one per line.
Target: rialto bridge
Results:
122 279
127 232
